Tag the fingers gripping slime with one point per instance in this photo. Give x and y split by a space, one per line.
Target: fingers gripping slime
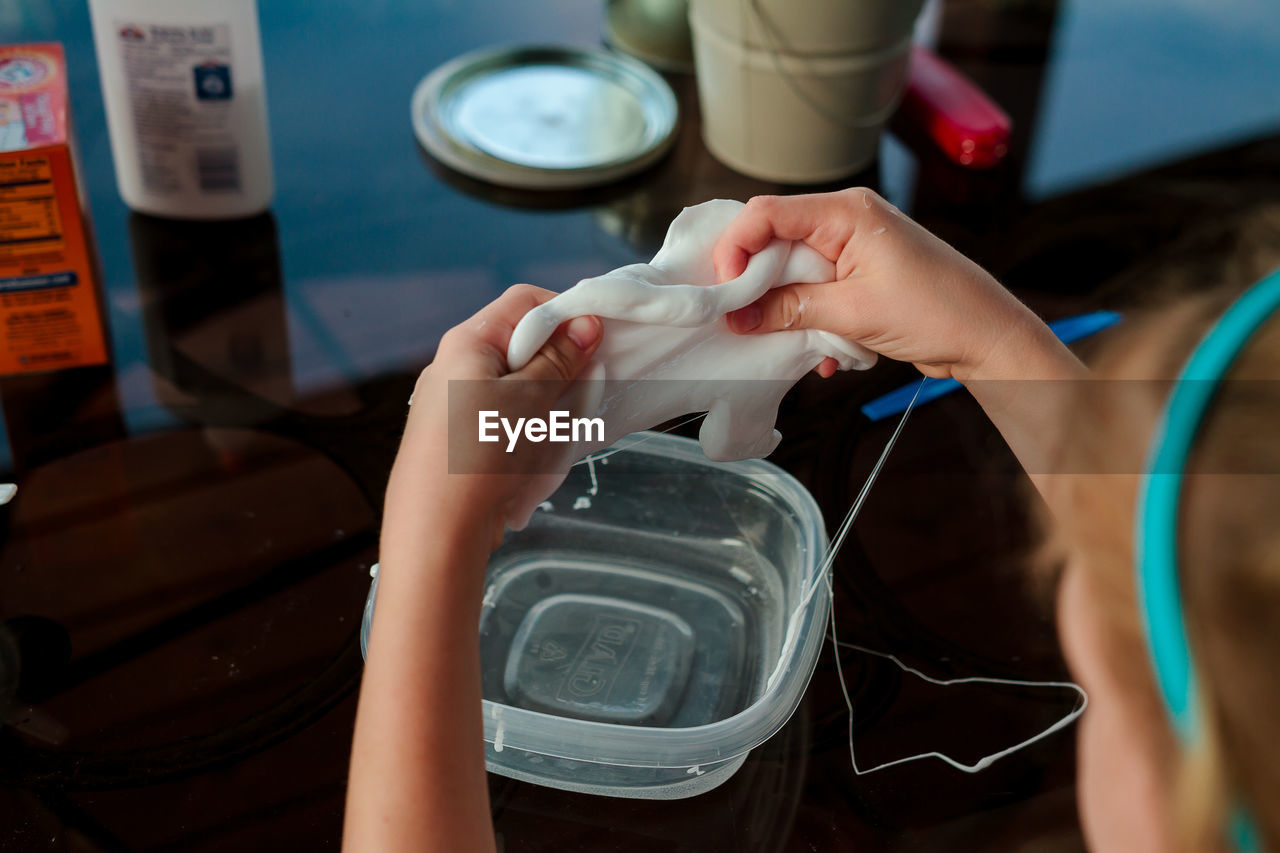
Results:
664 320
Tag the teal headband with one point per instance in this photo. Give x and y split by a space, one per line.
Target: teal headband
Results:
1156 539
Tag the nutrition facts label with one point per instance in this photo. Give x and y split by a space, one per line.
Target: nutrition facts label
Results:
30 226
50 316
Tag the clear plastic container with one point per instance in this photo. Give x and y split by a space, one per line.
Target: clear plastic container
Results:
659 617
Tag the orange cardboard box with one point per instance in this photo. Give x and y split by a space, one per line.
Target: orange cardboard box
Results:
49 311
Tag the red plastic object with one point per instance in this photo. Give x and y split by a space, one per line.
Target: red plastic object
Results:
969 127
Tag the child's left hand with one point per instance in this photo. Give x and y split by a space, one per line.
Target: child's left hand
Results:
475 504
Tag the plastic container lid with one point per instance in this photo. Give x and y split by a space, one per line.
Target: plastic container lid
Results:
544 117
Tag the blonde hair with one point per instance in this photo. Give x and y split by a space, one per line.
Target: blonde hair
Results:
1229 544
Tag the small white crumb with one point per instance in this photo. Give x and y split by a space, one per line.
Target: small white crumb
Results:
7 491
582 502
546 506
879 230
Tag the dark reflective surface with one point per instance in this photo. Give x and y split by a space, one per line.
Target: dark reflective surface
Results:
183 569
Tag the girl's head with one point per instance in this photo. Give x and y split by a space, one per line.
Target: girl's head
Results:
1140 789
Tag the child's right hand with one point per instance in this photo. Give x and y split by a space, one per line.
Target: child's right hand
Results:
899 290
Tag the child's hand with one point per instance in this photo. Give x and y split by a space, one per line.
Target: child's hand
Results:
899 290
423 496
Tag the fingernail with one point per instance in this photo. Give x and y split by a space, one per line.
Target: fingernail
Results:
583 331
724 272
746 319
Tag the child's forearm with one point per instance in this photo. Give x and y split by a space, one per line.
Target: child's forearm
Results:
417 772
417 769
1026 385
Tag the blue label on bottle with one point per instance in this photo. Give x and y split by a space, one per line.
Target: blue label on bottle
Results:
213 82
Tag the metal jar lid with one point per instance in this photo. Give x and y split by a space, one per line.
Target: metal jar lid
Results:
544 117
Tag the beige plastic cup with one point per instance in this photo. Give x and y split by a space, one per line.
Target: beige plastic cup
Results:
811 27
794 118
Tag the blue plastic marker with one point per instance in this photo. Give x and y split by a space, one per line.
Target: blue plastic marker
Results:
1068 330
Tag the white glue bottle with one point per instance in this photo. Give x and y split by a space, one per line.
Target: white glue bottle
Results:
186 105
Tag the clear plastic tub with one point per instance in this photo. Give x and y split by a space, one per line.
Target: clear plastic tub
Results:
660 616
